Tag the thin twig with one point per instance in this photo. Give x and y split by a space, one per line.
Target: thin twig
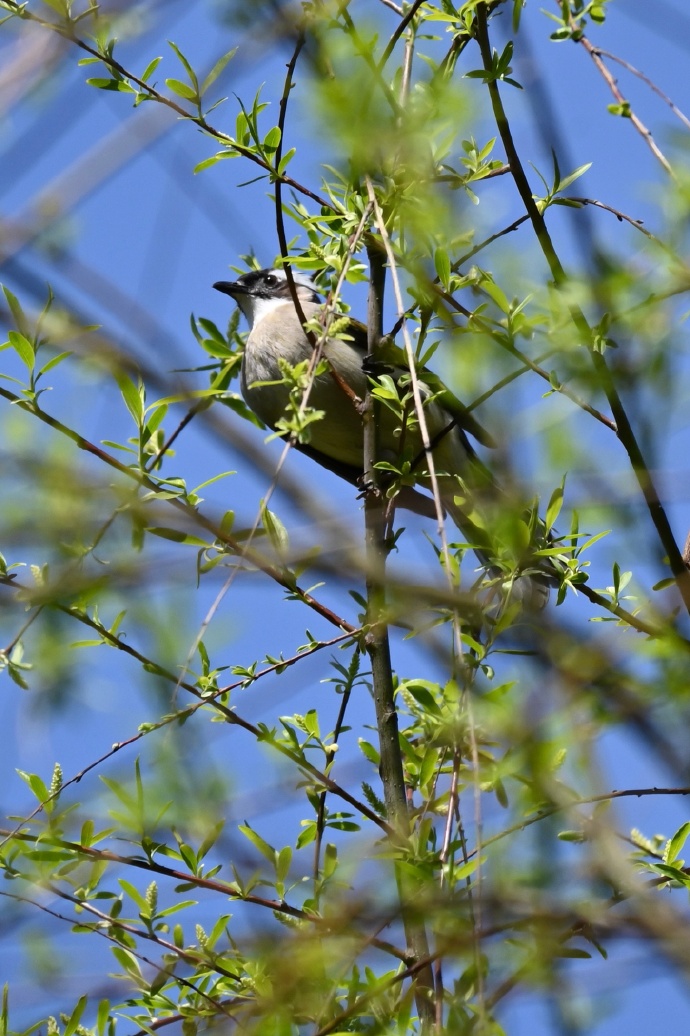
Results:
102 931
645 79
444 856
321 812
190 512
612 84
624 429
399 30
154 94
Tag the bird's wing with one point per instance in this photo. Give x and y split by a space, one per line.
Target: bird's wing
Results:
392 355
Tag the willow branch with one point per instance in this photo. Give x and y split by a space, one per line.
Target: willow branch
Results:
624 428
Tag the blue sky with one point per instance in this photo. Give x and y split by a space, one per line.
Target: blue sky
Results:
146 238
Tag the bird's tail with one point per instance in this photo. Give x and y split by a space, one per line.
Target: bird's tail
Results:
505 537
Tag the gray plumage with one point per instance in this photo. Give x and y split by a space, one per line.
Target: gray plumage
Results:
336 441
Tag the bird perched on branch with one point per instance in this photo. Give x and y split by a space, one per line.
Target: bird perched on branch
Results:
277 343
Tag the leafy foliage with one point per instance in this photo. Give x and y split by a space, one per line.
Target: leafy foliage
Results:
414 841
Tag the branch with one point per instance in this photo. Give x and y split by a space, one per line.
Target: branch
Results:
378 645
192 513
624 429
179 716
66 32
98 929
645 79
402 25
645 133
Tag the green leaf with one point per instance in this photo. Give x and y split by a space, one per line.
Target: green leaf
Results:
109 84
212 837
217 930
24 349
210 481
18 315
75 1017
217 69
307 835
442 265
176 536
102 1016
277 533
567 180
182 89
272 140
671 872
676 843
286 159
50 855
468 868
208 162
134 894
311 723
150 68
554 508
620 109
182 904
330 860
187 67
54 362
156 414
36 784
128 961
258 842
133 397
494 292
369 751
283 862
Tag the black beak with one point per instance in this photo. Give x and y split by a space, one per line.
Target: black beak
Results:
231 288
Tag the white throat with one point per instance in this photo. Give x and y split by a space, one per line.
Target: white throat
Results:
255 309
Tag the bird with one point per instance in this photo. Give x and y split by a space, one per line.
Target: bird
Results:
336 441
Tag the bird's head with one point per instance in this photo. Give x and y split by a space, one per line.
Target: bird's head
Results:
260 291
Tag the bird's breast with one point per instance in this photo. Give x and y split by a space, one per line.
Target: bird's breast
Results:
279 335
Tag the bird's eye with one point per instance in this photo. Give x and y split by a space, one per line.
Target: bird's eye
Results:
270 280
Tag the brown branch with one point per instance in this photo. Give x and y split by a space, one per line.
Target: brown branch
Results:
192 513
378 643
624 430
399 30
620 216
66 32
98 929
231 715
645 79
612 84
174 717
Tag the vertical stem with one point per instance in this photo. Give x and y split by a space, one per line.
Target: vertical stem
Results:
378 648
624 430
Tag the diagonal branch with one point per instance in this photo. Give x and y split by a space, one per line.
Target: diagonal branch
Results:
624 428
637 122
